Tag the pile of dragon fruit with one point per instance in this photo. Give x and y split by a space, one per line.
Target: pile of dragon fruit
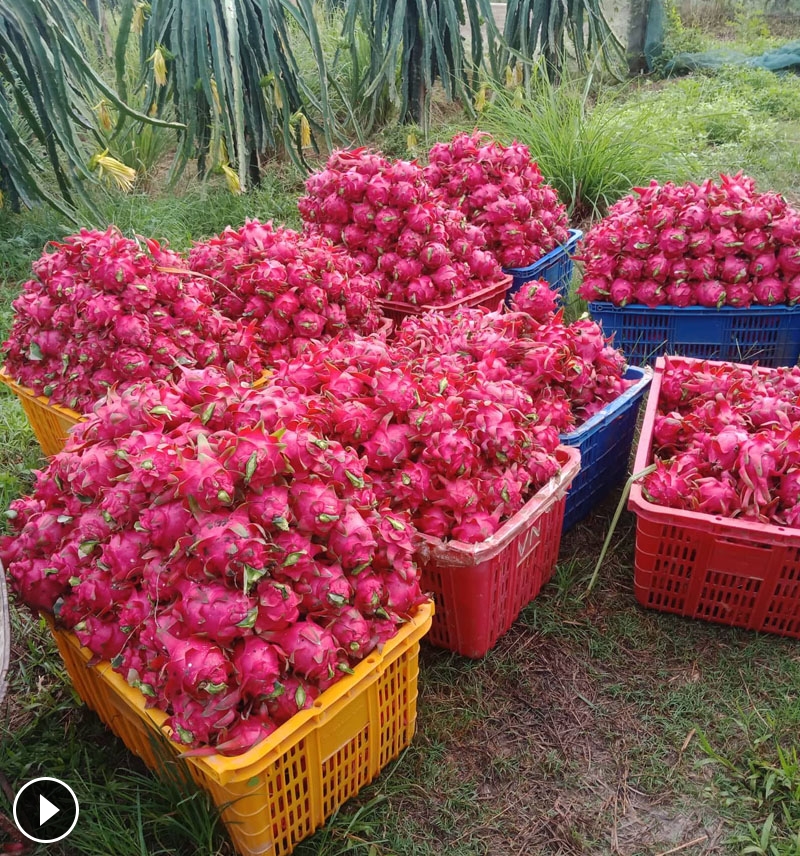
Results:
227 558
458 419
422 251
726 440
104 310
292 288
569 370
711 244
500 189
459 454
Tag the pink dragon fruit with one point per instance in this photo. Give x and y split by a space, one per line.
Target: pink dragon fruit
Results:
353 633
194 666
298 694
258 665
312 652
216 611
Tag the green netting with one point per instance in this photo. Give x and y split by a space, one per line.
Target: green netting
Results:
655 32
782 59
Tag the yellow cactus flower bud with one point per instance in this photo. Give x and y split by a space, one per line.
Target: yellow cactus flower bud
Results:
159 66
411 141
232 179
516 101
110 169
480 99
305 131
509 77
140 14
101 108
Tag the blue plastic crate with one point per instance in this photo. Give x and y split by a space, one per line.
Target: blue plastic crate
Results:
767 334
555 268
605 443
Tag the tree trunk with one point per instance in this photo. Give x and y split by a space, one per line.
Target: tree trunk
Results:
416 81
254 169
637 29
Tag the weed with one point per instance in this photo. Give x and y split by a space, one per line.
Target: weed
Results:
590 146
769 791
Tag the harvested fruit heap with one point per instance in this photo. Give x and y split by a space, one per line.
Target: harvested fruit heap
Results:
104 311
294 288
726 441
569 370
422 251
709 244
458 456
501 190
457 421
230 561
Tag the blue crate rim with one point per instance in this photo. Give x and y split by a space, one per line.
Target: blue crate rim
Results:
641 309
644 376
562 249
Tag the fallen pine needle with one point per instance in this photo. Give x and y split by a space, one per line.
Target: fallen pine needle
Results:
684 846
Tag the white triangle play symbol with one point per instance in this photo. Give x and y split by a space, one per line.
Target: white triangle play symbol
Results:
46 809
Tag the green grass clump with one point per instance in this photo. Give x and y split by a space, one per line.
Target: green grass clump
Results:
592 147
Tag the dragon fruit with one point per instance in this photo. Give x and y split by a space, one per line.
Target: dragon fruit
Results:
501 190
216 589
258 665
479 395
104 310
312 652
726 442
417 248
695 236
296 287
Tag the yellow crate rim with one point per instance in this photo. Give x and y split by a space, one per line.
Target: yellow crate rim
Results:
223 768
26 392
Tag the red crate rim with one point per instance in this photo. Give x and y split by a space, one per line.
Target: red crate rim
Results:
431 549
750 529
467 302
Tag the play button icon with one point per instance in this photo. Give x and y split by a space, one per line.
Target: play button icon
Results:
46 810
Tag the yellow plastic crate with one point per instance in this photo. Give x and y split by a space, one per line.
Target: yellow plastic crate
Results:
283 789
50 422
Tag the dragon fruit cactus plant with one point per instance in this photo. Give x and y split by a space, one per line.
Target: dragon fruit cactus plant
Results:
104 310
726 441
709 244
231 560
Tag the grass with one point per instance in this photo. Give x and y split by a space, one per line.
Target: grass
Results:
592 147
593 727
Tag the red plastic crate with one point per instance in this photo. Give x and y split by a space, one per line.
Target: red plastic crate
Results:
480 589
737 572
491 298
